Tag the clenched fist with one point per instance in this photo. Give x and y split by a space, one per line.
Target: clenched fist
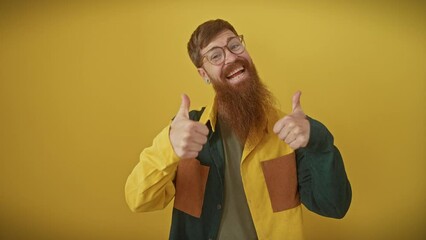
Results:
294 128
187 136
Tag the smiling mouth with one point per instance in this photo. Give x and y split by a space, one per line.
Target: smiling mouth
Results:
236 73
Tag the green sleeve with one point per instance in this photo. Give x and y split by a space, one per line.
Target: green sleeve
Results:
323 185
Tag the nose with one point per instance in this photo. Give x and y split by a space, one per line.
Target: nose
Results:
229 56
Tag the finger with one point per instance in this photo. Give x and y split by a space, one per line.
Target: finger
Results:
194 147
295 145
291 137
184 107
202 129
285 131
193 137
280 124
296 102
199 139
193 127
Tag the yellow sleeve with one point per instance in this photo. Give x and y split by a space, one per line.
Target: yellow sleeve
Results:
150 185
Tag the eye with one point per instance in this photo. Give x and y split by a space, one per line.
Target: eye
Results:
215 56
235 45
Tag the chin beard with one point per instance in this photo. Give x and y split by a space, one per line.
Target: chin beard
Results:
243 106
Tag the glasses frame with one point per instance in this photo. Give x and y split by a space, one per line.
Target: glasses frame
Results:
240 37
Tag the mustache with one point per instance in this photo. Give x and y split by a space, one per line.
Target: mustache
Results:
236 64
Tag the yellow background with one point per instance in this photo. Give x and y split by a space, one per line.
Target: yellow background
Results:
85 86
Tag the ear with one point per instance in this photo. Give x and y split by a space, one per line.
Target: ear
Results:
203 74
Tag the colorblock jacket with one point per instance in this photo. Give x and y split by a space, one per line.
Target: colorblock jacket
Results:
276 181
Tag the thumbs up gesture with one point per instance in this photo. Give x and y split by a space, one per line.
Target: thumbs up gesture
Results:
186 136
294 128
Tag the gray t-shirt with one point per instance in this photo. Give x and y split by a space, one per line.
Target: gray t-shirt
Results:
236 220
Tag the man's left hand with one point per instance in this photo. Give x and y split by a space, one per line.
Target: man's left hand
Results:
294 128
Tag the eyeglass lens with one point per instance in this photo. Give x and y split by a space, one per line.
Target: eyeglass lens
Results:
217 55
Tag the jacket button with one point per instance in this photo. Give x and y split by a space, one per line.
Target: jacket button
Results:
219 207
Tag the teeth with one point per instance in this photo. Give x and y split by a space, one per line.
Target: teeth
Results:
236 70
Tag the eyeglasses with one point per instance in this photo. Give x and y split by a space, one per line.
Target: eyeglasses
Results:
216 55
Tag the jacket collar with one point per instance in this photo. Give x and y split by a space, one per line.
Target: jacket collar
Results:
210 115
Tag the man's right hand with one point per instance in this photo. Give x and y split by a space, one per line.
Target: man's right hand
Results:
187 136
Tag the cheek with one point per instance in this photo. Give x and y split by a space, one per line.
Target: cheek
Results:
214 72
247 57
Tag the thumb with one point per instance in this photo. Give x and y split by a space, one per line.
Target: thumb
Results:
296 102
184 107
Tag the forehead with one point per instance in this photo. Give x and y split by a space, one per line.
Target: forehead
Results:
219 41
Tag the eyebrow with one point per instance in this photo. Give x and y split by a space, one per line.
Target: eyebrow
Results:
227 41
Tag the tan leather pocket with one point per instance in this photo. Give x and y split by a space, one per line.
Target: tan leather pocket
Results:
281 181
191 180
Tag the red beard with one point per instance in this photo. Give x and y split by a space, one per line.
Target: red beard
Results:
243 106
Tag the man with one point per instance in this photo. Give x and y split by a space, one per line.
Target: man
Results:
238 169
